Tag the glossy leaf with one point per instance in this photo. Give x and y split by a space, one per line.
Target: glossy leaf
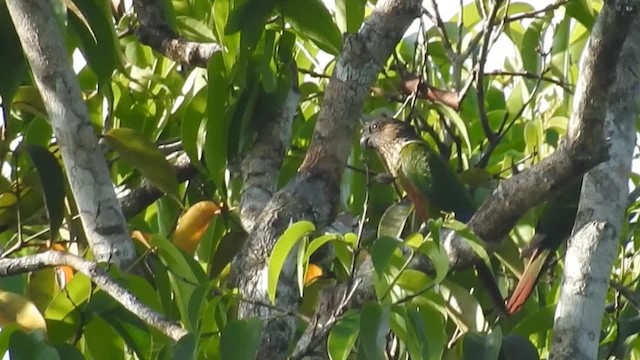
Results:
393 220
343 336
350 14
281 250
382 252
311 18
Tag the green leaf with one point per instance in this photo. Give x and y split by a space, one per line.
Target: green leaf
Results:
382 252
581 11
538 321
38 132
471 238
52 181
268 67
462 307
374 326
531 45
62 315
533 136
191 132
311 18
439 259
240 339
194 29
350 14
27 98
459 123
97 34
185 275
103 342
318 242
66 352
131 329
394 219
185 348
249 18
12 61
286 45
30 346
143 155
482 347
281 250
215 152
228 247
342 337
518 347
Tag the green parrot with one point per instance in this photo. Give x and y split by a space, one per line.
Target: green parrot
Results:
553 228
430 184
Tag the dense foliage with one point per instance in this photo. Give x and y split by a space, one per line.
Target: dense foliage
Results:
513 66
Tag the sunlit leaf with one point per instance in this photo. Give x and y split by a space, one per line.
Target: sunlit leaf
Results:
281 250
311 18
343 336
382 252
16 309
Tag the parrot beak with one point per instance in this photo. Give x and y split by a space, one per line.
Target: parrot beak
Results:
364 142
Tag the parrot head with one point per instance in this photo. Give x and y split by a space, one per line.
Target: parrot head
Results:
386 133
387 136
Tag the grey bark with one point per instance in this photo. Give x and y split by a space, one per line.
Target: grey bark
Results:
156 33
100 212
313 193
592 249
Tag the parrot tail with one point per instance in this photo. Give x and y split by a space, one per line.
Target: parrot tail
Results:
528 280
489 282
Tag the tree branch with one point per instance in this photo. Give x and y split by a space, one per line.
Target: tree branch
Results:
584 146
592 249
261 166
89 177
155 32
99 277
313 193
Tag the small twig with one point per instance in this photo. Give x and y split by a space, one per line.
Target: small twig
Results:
437 20
535 13
633 298
482 111
314 74
530 75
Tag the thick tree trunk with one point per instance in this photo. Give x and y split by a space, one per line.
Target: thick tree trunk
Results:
101 215
592 249
313 193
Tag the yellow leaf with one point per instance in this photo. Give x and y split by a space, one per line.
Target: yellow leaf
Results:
16 309
192 225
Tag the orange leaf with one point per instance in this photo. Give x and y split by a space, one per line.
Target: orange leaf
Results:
192 225
314 272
